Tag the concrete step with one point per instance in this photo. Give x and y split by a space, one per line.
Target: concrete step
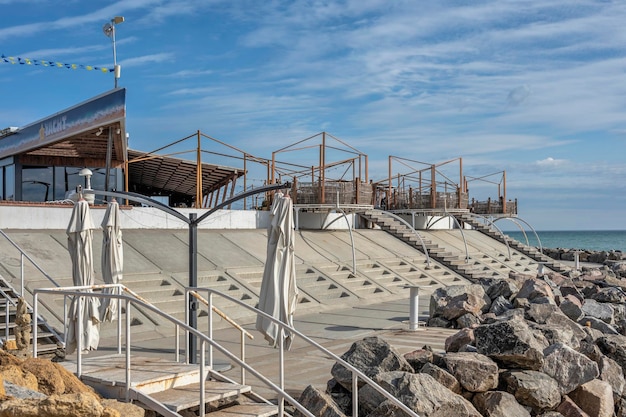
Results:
187 396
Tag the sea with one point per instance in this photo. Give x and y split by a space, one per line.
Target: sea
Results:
598 240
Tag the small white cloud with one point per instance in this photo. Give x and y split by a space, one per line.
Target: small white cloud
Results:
550 162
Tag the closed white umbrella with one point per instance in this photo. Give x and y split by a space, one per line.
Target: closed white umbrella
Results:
279 293
112 257
80 246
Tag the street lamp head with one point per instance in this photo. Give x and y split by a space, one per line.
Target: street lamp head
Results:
108 29
117 20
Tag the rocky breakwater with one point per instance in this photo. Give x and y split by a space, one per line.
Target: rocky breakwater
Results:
615 259
546 346
38 387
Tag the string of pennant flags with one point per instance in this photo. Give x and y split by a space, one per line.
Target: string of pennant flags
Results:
51 64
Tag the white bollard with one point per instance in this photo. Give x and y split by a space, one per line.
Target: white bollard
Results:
414 306
577 261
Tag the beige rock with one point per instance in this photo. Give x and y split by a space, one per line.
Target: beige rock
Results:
595 398
569 408
19 408
124 409
49 379
16 375
71 405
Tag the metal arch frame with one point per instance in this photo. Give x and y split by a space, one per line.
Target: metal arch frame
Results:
523 232
499 231
395 216
456 221
193 222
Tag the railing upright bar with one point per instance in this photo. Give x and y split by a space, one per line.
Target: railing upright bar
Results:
355 395
35 304
210 329
21 273
281 370
202 379
6 319
119 321
177 347
79 336
243 357
187 347
127 349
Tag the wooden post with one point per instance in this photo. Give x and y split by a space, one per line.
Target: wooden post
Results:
433 187
199 175
504 192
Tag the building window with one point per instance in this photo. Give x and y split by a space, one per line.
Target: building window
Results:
37 184
9 182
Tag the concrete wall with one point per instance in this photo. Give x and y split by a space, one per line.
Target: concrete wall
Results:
57 217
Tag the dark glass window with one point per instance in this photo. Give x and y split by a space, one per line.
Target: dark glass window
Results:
9 182
37 184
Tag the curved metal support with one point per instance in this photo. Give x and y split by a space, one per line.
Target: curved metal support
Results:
499 231
531 228
456 221
521 229
351 239
395 216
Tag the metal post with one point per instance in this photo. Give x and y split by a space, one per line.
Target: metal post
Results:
577 260
108 158
193 283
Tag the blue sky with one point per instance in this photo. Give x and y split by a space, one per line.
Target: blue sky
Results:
536 88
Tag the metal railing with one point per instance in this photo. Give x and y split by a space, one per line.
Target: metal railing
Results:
128 301
285 328
7 297
25 255
207 344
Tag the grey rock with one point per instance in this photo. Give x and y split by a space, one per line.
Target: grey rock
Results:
540 313
572 308
500 305
418 358
614 346
371 355
533 389
611 372
601 311
318 403
598 324
505 288
499 404
511 343
420 392
468 320
613 295
568 367
456 300
475 372
458 340
532 289
20 392
442 376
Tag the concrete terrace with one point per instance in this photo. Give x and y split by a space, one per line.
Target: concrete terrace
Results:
336 308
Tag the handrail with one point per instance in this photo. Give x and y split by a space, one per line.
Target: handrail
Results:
504 239
356 373
223 315
178 324
24 254
396 217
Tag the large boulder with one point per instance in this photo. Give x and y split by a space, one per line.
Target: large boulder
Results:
536 291
418 358
568 367
533 389
601 311
319 403
498 404
442 376
568 408
420 392
614 346
475 372
457 341
371 356
611 373
456 300
512 343
595 398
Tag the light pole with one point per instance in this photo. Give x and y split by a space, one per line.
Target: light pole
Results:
109 30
